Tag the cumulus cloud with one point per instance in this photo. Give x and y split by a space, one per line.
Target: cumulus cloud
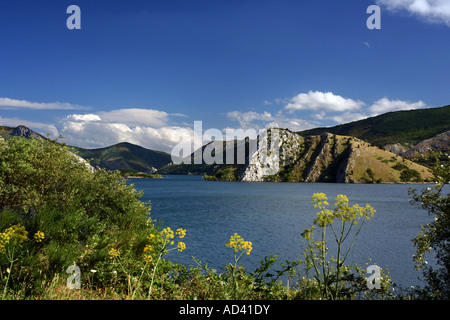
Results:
145 127
255 120
8 103
135 116
319 109
386 105
437 11
316 100
83 117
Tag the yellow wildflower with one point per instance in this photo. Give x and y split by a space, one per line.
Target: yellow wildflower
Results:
181 246
113 253
151 237
167 234
148 248
13 235
39 236
237 243
181 233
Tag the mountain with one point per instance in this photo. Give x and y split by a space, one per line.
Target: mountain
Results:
195 163
368 150
122 156
125 155
403 129
440 143
322 158
20 131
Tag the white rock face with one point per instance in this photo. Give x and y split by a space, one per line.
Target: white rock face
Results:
275 149
87 164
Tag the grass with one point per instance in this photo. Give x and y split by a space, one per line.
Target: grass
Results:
383 165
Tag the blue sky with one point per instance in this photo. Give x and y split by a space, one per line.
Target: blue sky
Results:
140 71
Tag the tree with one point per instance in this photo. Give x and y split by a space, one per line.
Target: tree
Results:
435 236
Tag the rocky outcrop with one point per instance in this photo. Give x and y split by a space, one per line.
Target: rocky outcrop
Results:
282 155
396 148
275 148
22 131
441 142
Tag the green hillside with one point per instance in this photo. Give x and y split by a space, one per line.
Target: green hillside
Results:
404 127
125 156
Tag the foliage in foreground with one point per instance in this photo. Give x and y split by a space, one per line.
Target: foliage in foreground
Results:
56 213
435 236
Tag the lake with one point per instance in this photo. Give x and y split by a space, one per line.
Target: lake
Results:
273 215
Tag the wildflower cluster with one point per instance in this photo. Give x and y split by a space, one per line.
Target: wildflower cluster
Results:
159 242
167 234
39 236
237 243
332 279
113 253
181 246
13 235
181 233
341 210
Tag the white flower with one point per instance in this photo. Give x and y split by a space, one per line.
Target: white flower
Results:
93 270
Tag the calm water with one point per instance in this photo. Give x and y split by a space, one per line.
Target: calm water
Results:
273 215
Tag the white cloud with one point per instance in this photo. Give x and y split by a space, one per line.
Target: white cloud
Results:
437 11
83 117
145 127
135 116
255 120
385 105
7 103
348 117
246 119
316 100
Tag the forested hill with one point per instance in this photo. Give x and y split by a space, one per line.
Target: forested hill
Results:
125 156
403 127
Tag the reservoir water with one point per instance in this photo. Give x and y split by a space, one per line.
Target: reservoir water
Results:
273 215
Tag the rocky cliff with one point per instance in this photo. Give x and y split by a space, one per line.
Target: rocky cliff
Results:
283 155
441 142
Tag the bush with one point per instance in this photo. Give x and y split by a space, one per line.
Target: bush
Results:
81 213
408 175
434 236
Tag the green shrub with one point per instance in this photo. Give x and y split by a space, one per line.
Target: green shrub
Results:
434 236
408 175
82 213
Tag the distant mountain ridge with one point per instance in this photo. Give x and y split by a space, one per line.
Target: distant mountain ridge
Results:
125 155
405 133
120 156
406 128
324 158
